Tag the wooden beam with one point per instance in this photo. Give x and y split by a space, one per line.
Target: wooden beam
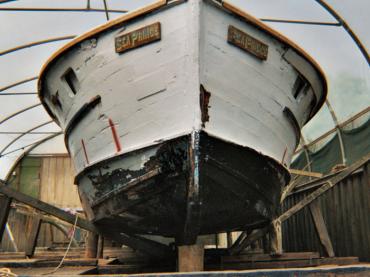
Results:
33 235
305 173
45 207
4 213
276 239
245 240
326 186
321 229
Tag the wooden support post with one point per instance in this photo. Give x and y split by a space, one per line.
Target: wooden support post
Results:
91 246
4 213
100 250
191 258
32 238
321 229
276 238
229 239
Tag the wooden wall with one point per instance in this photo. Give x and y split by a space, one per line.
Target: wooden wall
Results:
56 182
48 178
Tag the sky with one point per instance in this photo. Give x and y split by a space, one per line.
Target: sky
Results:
347 70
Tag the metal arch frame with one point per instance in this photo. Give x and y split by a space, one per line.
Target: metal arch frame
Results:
328 133
8 9
338 130
35 43
33 146
23 134
19 112
348 29
30 79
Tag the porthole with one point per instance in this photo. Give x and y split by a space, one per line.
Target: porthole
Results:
71 79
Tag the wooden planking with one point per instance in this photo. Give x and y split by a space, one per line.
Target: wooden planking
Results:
345 210
33 236
57 182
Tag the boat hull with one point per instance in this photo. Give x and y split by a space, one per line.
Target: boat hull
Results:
191 130
238 189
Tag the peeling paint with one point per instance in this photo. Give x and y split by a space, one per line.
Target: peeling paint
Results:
204 105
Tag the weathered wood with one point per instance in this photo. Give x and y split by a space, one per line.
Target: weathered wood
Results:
4 213
100 250
33 235
244 240
191 258
328 185
305 173
91 245
291 263
321 229
45 207
276 238
267 257
229 239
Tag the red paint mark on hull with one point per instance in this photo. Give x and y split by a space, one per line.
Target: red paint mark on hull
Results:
85 152
282 160
115 136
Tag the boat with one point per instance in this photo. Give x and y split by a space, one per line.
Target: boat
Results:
181 118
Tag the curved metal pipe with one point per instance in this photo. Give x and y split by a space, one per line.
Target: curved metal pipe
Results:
23 134
35 43
352 34
339 131
19 112
15 164
341 125
34 144
59 10
19 83
304 22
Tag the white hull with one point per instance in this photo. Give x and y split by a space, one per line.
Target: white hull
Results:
152 93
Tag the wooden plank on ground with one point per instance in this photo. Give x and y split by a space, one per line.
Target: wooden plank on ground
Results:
266 257
291 264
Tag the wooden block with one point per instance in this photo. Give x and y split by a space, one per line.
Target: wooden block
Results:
191 258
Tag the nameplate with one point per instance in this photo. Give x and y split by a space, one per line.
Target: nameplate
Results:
139 37
247 43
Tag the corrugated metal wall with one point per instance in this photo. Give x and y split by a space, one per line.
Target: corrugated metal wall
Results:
346 211
49 178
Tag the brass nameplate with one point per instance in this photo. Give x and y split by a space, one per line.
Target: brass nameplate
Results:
247 43
138 37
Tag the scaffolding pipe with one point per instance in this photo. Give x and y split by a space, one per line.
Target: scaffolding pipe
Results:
35 43
352 34
304 22
19 83
23 134
19 112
